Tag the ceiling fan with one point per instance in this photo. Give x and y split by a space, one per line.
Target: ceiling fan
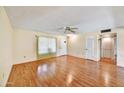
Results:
68 29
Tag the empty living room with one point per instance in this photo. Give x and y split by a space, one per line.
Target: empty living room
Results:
61 46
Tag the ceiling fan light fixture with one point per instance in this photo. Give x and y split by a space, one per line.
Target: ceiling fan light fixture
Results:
69 35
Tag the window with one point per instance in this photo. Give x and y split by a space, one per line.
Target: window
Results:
52 45
46 45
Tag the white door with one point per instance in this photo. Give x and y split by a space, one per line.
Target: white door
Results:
63 46
89 50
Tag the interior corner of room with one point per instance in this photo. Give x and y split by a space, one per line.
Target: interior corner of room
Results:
21 45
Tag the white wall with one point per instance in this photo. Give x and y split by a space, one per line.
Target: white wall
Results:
25 45
6 47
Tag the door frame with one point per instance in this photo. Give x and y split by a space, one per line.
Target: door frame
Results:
63 40
115 46
86 57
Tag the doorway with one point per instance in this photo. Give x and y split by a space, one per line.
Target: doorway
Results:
89 51
62 46
108 48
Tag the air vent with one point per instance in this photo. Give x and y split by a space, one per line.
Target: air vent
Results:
106 30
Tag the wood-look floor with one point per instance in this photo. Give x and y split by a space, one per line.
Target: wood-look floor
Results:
108 60
66 71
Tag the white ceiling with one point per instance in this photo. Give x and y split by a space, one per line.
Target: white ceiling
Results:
50 18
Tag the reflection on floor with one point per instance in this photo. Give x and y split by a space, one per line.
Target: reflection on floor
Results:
66 71
108 60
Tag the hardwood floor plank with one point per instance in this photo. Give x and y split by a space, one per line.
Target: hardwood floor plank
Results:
66 71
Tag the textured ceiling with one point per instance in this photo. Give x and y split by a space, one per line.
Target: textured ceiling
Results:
50 18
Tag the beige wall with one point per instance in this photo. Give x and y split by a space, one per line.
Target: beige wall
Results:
77 44
120 46
25 45
6 47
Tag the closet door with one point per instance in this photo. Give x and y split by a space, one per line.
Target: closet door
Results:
89 54
63 46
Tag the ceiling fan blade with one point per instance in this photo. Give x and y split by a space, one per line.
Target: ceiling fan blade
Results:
72 31
74 28
67 29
